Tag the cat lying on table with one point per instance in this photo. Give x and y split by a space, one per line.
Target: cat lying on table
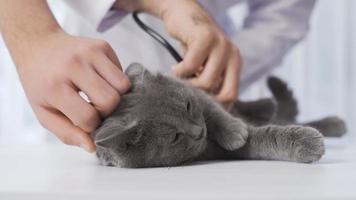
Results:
164 122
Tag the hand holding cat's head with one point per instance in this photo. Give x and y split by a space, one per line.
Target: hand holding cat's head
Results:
158 123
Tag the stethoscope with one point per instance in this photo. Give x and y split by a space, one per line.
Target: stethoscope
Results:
156 36
160 39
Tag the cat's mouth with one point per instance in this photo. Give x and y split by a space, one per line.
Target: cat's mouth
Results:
201 141
204 134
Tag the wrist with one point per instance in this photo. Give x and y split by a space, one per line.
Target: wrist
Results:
173 8
150 6
21 35
158 8
23 47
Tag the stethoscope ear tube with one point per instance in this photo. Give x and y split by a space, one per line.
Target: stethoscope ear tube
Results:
156 36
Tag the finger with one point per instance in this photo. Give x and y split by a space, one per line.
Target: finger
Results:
61 126
229 90
74 107
196 55
109 67
110 52
210 78
184 52
101 94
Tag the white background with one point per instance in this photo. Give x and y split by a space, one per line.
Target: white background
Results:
321 70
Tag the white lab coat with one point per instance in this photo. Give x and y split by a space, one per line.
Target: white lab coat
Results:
269 31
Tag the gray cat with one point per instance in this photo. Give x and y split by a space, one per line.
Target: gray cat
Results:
164 121
282 109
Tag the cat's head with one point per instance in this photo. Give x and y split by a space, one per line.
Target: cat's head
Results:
158 123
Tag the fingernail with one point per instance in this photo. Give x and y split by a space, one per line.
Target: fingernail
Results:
82 146
85 147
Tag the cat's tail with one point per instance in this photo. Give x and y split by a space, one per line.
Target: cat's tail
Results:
287 106
287 111
329 126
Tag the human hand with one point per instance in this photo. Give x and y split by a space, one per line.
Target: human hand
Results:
56 68
211 61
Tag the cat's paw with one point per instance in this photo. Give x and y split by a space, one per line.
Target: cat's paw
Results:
308 145
233 136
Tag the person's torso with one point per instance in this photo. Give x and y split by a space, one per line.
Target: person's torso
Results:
133 45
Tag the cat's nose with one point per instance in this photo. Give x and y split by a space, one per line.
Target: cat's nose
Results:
197 132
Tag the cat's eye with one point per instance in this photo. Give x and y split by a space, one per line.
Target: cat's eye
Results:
189 106
176 138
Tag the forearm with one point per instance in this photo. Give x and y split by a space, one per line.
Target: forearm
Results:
153 7
150 6
23 22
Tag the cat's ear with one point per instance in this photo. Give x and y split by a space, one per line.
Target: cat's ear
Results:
137 73
117 135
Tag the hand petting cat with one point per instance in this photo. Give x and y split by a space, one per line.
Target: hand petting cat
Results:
165 122
54 66
211 61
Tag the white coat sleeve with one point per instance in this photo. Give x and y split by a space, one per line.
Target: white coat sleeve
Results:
270 30
97 13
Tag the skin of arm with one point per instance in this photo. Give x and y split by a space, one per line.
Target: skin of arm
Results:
54 66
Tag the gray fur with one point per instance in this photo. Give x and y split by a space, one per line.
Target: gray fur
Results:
287 111
289 143
259 112
282 109
329 126
163 121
